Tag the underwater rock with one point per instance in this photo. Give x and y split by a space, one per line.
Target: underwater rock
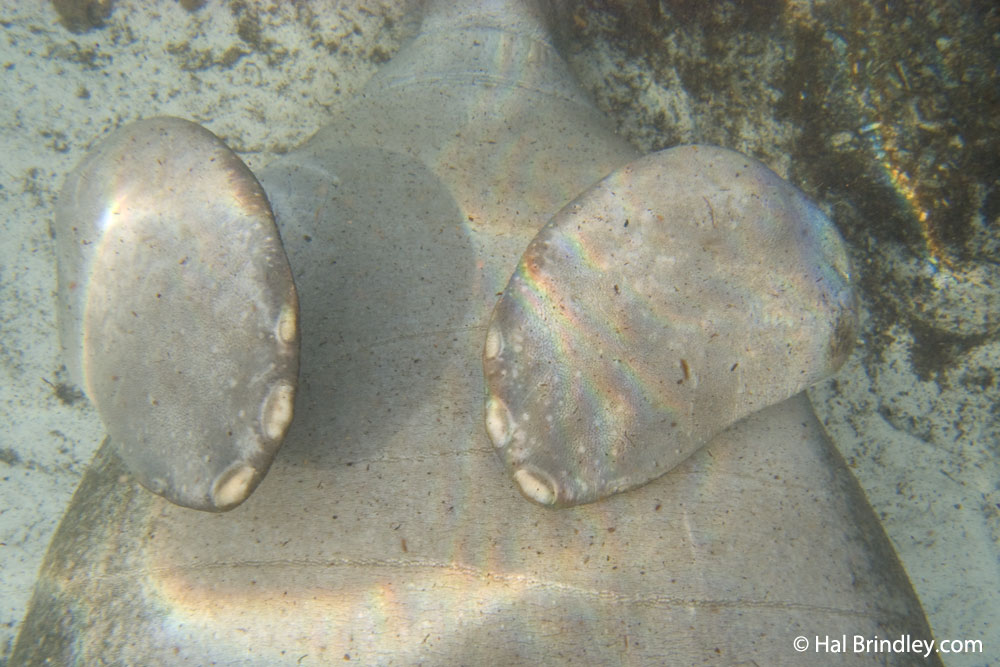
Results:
177 311
79 16
680 294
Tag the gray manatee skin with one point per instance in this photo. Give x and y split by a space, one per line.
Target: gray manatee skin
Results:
686 290
177 310
386 531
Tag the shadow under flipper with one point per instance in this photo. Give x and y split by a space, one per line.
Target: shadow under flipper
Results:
382 265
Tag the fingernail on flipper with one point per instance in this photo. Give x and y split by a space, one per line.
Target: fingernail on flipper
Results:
683 292
178 313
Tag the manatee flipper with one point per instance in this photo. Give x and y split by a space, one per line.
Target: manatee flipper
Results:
683 292
177 310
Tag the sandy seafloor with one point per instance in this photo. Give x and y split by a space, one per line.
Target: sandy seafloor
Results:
264 81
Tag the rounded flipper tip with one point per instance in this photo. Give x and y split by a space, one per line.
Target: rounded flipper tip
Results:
178 310
680 294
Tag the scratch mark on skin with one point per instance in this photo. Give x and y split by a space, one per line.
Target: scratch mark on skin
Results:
485 451
479 328
463 571
711 211
765 480
422 334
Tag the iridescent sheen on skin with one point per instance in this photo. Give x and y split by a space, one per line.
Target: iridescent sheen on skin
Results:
683 292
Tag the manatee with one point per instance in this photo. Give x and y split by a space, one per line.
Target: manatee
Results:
386 531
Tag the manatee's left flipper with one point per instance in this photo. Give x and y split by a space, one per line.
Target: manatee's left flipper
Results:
683 292
178 313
